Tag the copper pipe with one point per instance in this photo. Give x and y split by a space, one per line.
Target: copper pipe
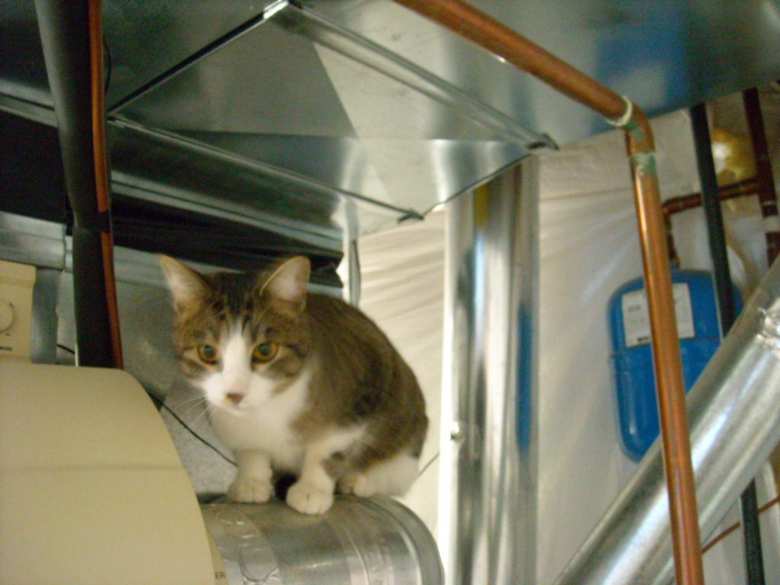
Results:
674 257
716 539
684 202
501 40
100 161
666 352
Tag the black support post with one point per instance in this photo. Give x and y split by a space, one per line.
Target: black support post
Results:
717 240
64 29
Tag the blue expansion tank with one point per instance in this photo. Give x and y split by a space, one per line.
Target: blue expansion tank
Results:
699 330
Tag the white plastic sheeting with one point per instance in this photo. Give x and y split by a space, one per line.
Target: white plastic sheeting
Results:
403 278
588 248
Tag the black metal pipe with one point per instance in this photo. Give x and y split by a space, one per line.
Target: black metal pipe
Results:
767 196
93 333
711 204
64 30
720 261
751 528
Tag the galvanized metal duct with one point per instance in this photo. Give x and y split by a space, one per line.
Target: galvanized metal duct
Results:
359 541
735 423
488 478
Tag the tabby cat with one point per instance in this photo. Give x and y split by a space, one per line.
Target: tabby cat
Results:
297 383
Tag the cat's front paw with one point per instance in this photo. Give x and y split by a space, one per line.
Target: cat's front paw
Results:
358 484
346 485
307 499
248 490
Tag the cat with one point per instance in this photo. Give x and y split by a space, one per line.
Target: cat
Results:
297 383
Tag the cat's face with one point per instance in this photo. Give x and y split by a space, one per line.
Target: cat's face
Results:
242 339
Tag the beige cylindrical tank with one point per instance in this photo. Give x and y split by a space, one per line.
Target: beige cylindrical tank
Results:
93 492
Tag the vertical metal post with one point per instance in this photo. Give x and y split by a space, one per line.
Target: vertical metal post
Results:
354 283
487 518
71 40
711 203
767 196
351 249
754 563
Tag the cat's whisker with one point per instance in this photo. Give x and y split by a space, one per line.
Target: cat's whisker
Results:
200 417
187 407
190 414
196 400
194 415
197 396
190 409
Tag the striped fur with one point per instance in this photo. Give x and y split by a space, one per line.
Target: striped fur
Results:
341 400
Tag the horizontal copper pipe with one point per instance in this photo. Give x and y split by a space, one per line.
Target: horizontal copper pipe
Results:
716 539
744 188
503 41
684 202
675 205
500 40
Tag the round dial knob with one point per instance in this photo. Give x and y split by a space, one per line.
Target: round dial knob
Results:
6 315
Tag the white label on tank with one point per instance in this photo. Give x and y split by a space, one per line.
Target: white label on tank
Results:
636 320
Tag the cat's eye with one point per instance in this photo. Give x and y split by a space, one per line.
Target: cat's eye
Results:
265 352
207 354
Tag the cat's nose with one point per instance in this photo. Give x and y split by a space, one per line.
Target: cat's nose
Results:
234 397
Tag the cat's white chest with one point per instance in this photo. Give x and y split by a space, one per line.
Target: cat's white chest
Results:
268 428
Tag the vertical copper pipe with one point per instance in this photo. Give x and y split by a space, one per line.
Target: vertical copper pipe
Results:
100 162
666 353
501 40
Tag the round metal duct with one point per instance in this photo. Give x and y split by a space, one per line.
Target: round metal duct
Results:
358 542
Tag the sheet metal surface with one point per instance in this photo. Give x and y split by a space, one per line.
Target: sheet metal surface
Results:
373 103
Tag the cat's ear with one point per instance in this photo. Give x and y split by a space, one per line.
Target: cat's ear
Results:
187 286
288 285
